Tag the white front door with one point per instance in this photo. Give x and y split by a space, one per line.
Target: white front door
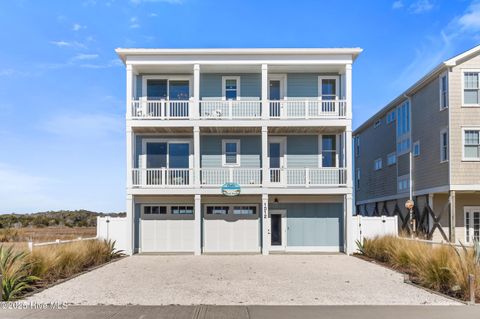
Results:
276 158
278 229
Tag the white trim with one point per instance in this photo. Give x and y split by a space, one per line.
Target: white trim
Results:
471 128
224 157
224 89
329 77
320 149
283 84
168 78
465 187
471 210
440 77
442 131
283 149
283 214
463 86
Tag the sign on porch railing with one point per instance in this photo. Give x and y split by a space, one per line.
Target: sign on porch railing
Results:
231 189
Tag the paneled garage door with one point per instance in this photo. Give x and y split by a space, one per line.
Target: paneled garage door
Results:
167 236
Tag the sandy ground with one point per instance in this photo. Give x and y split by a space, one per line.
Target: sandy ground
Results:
240 280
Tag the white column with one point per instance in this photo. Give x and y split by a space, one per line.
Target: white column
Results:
265 108
349 235
348 90
130 87
196 92
265 162
198 225
130 209
130 155
196 156
265 226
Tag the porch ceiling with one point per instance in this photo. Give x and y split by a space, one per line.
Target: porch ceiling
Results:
234 130
305 130
163 129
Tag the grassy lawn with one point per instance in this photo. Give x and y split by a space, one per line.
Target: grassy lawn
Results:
44 234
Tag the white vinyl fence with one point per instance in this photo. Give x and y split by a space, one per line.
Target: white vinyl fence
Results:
115 229
369 227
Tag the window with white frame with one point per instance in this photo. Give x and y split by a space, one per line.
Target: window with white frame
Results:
377 164
357 179
443 145
471 89
230 152
377 123
416 148
403 128
471 144
403 183
391 117
391 159
472 224
244 210
443 92
217 210
329 151
182 210
231 87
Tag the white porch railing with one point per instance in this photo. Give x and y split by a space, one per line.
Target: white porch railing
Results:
160 109
242 176
306 109
162 177
231 109
308 176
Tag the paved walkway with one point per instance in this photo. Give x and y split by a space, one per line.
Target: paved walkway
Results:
248 312
239 280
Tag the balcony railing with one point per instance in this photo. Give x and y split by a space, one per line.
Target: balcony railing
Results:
220 176
308 176
160 109
231 109
160 177
307 109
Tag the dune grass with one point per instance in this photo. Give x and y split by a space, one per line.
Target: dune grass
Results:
442 268
22 270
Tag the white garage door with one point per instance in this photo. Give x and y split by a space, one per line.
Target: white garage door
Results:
167 236
242 235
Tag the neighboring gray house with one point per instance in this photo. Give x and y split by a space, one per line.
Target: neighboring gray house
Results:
437 120
272 126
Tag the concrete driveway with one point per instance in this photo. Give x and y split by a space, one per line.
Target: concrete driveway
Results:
240 280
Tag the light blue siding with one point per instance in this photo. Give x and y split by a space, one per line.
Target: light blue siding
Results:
302 151
138 87
313 224
211 150
302 85
211 85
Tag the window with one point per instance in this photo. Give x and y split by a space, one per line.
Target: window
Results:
443 145
244 210
154 210
217 210
329 151
181 210
391 159
357 179
403 183
377 164
391 117
231 151
357 145
471 145
231 87
472 224
471 89
443 92
377 123
403 128
155 88
328 87
416 148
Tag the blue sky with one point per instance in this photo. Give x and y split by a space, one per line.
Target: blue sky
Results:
62 94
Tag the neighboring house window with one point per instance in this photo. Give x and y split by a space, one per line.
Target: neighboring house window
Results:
472 224
443 92
403 128
403 184
443 145
231 88
231 151
471 148
154 210
378 164
357 146
244 210
471 89
391 159
357 179
416 148
377 123
180 210
391 117
329 150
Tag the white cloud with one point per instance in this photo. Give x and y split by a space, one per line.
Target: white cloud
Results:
134 23
421 6
397 4
78 27
83 125
471 19
83 56
68 44
109 64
